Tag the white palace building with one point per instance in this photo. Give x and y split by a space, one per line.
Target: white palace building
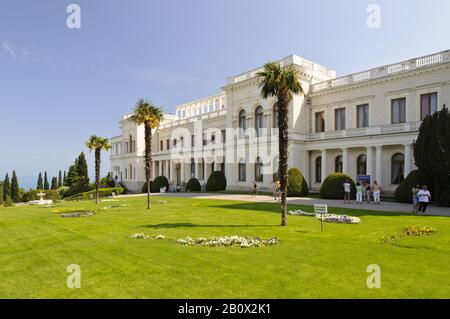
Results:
360 124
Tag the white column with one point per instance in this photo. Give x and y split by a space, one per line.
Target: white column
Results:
172 171
160 168
153 171
197 169
182 177
345 160
369 158
407 159
205 171
324 165
379 164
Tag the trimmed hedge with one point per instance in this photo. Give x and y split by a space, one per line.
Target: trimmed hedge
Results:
297 185
333 186
193 185
158 183
216 182
144 187
49 195
103 192
403 193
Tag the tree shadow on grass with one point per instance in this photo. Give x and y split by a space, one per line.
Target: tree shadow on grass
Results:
188 225
275 208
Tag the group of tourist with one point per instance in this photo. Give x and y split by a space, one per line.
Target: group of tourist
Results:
364 192
421 198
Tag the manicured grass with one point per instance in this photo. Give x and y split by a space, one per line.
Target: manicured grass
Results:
36 246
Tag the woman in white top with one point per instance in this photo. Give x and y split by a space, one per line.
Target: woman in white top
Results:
424 199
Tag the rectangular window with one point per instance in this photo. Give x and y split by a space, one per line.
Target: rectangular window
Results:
320 122
428 105
224 136
192 140
339 119
242 172
167 144
398 111
362 115
161 145
258 172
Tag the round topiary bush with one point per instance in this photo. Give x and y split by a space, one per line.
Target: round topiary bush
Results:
158 183
193 185
297 185
403 193
144 187
216 182
333 186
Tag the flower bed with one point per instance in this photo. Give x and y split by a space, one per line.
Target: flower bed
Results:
145 236
228 241
329 218
340 219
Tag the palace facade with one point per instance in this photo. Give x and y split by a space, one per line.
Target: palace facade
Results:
360 124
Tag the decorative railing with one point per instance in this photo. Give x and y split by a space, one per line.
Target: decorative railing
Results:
373 130
441 57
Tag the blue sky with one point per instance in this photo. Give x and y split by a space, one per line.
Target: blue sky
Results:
60 85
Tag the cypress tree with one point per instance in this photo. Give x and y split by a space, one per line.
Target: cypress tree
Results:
54 183
1 193
72 176
40 184
83 167
60 180
15 190
6 188
46 184
64 178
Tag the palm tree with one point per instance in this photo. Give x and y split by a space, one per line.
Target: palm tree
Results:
281 82
98 144
150 116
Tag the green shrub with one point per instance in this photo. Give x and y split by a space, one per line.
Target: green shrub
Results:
297 185
8 202
444 200
403 193
103 192
144 187
49 195
333 186
193 185
216 182
158 183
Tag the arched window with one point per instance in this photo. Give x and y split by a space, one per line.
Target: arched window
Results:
397 168
361 165
275 115
338 164
242 123
258 170
259 120
318 169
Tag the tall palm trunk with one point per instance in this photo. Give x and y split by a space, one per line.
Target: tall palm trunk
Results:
148 160
283 101
97 174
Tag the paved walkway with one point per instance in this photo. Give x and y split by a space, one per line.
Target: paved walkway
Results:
386 206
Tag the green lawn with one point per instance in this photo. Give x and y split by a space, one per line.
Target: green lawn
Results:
36 246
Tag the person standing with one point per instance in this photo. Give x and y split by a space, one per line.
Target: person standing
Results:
368 192
359 193
254 189
415 198
376 192
424 199
347 189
